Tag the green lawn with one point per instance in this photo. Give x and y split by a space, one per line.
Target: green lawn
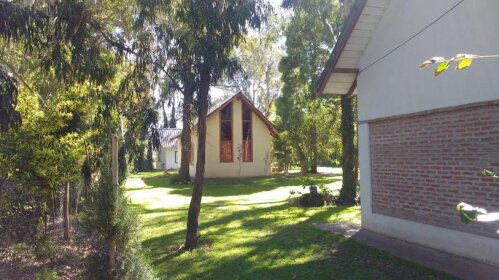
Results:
248 231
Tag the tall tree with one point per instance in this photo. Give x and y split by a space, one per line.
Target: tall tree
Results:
348 192
259 55
310 35
219 28
201 36
188 79
78 47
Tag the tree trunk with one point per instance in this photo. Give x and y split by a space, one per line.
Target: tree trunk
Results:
77 199
54 205
1 189
165 117
303 161
66 212
191 240
267 92
115 182
173 118
313 167
47 213
286 161
313 141
185 137
348 190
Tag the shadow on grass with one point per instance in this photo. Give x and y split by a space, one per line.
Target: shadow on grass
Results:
218 227
237 186
276 242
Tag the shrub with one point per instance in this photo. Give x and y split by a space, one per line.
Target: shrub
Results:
45 248
324 196
311 200
47 274
111 218
21 210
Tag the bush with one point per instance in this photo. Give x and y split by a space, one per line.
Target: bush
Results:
47 274
21 210
323 197
45 248
111 218
311 200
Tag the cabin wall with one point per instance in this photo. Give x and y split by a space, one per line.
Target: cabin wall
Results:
396 85
262 143
423 140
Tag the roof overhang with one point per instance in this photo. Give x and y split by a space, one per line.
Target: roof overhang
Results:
340 74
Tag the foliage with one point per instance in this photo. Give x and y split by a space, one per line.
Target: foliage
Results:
112 219
44 247
469 214
488 173
461 60
348 192
311 200
9 117
259 78
20 212
320 196
200 36
310 124
46 274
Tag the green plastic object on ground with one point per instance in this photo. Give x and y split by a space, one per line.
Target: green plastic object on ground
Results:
468 216
469 213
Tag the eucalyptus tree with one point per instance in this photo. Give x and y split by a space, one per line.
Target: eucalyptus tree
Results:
204 33
310 35
217 28
81 48
259 56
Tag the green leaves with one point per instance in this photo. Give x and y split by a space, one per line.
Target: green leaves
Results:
462 61
463 64
488 173
441 68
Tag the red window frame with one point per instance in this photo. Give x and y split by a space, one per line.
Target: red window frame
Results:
226 146
247 143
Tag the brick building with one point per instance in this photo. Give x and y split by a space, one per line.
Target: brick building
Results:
423 140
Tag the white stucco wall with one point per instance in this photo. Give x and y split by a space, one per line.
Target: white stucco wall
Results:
166 159
396 85
262 143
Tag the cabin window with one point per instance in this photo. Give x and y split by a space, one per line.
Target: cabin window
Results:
226 154
247 134
176 157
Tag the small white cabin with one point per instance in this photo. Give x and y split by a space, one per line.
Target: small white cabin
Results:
168 154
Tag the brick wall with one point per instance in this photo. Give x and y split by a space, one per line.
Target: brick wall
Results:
424 164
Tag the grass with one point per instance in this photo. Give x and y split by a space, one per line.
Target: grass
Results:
248 231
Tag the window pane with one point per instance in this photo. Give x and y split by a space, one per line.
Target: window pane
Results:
226 113
247 151
226 151
247 131
246 113
226 131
